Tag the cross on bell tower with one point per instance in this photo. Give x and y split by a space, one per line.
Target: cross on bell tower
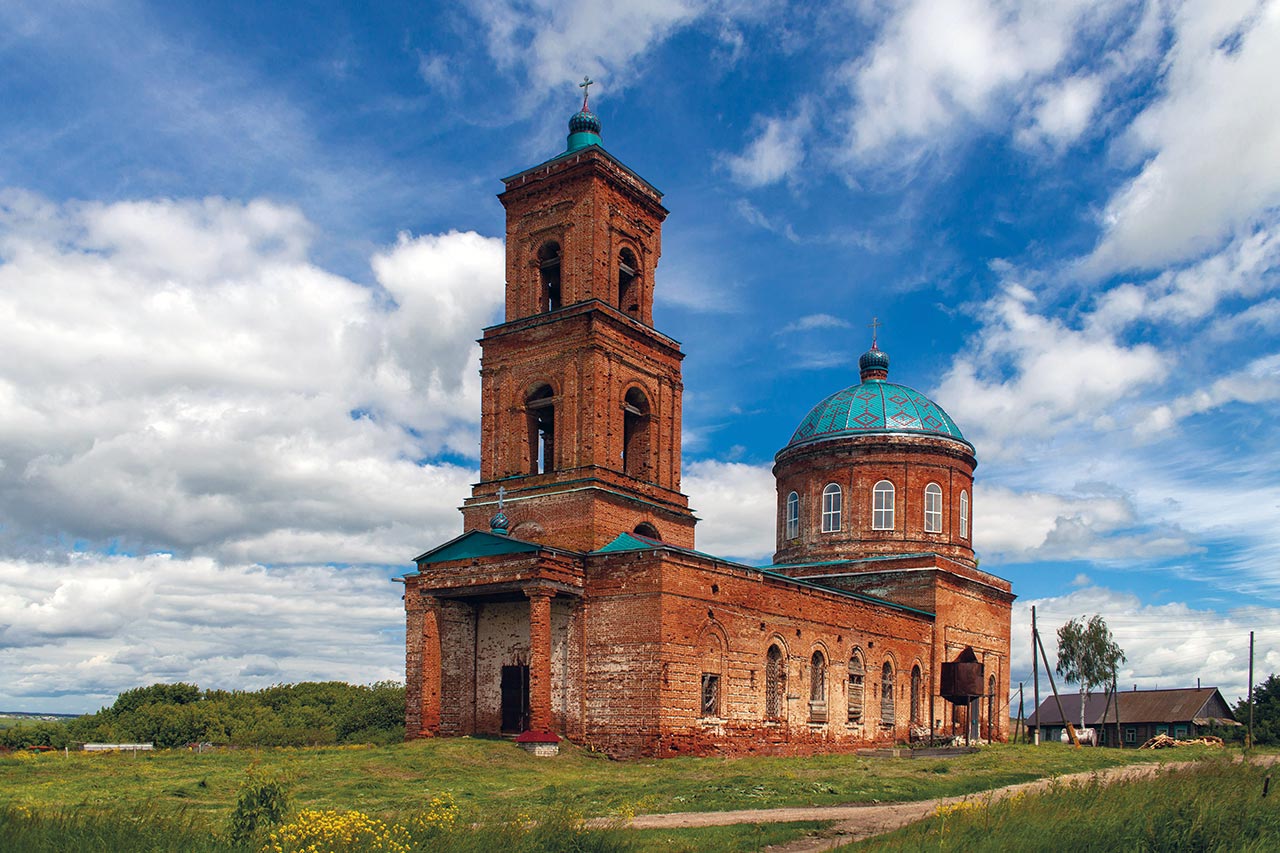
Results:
581 396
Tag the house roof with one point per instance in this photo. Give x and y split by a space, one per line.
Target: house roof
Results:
1140 706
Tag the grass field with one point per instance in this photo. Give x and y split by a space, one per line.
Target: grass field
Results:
492 777
1214 805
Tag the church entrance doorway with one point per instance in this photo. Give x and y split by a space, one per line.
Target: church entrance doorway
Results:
515 698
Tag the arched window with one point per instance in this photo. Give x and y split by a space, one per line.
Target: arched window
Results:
832 498
933 508
793 516
991 708
818 678
648 531
917 687
887 709
964 515
541 411
628 284
775 683
549 275
882 506
857 677
635 434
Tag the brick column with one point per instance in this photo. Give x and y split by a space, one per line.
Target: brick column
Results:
539 659
422 666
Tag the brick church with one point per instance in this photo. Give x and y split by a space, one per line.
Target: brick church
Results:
575 605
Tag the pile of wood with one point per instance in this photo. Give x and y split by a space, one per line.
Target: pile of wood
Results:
1165 742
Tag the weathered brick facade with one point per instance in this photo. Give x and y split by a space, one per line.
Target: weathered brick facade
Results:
573 603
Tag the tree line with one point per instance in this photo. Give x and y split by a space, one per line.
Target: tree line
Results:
174 715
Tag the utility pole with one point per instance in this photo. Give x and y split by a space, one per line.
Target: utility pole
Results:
1071 730
1035 673
1248 744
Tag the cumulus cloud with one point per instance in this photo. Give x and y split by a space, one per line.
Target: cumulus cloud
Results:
176 375
1207 645
777 151
938 65
76 633
737 503
1063 110
1206 145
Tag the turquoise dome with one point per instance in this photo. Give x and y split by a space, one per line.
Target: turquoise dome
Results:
584 129
875 407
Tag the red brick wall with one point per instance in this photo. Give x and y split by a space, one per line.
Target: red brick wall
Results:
856 464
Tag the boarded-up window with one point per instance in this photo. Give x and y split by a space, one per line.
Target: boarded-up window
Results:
857 677
775 683
887 710
917 685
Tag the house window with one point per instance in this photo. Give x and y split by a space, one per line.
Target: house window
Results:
964 515
882 506
857 675
1130 735
933 508
887 710
1162 730
635 434
818 687
549 275
540 408
831 500
1179 731
775 684
917 687
628 284
710 694
793 516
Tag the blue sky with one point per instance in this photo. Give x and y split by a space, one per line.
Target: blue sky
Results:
245 251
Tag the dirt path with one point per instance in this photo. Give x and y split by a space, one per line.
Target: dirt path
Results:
854 823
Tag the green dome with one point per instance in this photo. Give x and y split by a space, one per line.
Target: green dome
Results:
875 407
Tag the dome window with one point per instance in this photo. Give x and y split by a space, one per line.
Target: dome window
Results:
964 515
933 508
882 506
832 499
793 516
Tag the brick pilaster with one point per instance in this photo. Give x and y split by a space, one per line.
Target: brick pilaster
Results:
539 659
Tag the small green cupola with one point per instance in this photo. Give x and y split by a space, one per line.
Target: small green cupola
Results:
584 125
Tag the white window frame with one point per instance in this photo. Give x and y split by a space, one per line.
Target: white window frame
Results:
964 515
793 516
832 505
882 510
933 508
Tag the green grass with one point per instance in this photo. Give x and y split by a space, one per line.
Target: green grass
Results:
483 774
1215 805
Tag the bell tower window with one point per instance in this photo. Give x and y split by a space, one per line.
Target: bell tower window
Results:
540 406
628 284
635 434
549 273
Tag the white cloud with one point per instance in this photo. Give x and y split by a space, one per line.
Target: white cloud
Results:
79 631
814 321
941 64
1257 382
1063 110
176 375
1207 144
1208 645
555 43
777 151
1030 375
737 503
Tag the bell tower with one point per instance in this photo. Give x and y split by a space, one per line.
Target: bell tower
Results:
581 396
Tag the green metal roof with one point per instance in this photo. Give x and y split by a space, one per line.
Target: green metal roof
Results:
475 544
875 407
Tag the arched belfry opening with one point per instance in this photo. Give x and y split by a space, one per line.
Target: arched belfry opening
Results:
549 275
628 284
635 434
540 407
648 531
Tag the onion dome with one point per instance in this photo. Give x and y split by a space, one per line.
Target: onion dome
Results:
875 406
874 364
499 523
584 125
